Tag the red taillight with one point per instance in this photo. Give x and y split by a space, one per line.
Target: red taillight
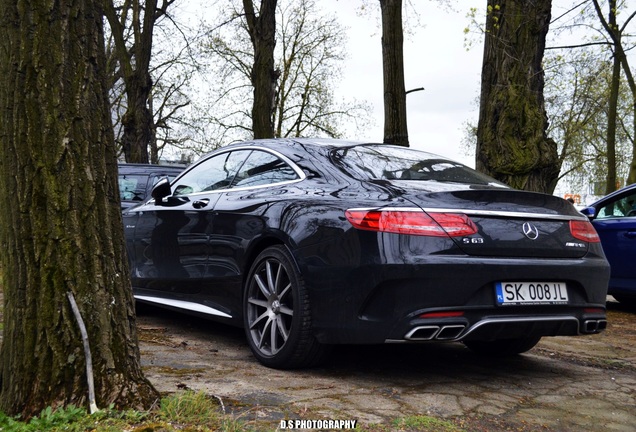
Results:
412 222
584 230
455 224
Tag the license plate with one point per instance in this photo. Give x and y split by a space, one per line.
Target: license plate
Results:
531 293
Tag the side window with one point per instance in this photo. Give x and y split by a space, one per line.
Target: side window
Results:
132 187
262 168
218 172
623 207
154 178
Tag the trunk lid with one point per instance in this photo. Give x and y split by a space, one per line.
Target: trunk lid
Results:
511 223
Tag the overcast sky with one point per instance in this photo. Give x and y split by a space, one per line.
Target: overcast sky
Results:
434 58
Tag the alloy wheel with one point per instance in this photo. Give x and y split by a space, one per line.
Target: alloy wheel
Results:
270 307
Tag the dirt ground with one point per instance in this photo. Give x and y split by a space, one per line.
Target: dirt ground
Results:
583 383
564 384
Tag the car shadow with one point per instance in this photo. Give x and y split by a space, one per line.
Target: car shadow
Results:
349 360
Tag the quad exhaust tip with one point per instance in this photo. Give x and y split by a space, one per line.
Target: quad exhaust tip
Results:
455 331
594 326
435 332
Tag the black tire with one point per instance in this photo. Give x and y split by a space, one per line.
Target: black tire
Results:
503 347
277 313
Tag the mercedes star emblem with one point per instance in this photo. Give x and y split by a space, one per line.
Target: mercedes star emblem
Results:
530 231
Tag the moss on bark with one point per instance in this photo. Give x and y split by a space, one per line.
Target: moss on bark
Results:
512 144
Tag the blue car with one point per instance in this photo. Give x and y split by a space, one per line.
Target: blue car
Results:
614 218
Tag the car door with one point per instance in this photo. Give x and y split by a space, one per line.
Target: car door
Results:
246 211
615 222
169 255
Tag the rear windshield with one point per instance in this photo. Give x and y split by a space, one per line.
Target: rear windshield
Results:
132 187
384 162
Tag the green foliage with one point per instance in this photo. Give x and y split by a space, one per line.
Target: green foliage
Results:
187 411
189 407
72 418
50 419
9 423
476 28
184 411
424 423
492 12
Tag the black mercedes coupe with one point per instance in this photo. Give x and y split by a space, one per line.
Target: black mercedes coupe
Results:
308 243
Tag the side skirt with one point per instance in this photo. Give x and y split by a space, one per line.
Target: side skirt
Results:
180 304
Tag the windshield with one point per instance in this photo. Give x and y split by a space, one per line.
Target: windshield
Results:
384 162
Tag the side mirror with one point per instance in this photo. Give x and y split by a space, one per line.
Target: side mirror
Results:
161 190
590 212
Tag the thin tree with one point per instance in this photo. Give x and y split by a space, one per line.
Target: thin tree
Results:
174 67
139 18
512 143
578 104
261 26
395 124
60 222
615 34
309 50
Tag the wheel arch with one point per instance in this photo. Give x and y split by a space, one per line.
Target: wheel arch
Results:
259 246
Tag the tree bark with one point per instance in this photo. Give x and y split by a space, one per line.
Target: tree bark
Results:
60 221
395 122
512 142
262 30
137 122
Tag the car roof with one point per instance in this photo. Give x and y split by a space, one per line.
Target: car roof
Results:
285 145
130 167
294 142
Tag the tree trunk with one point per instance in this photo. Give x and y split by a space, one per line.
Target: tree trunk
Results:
612 113
60 221
262 30
137 121
512 143
395 125
631 176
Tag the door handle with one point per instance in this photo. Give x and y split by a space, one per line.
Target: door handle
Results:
199 204
630 234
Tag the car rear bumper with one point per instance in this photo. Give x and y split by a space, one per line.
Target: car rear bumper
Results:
453 299
504 327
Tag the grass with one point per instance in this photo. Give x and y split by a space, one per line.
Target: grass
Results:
414 423
187 411
424 423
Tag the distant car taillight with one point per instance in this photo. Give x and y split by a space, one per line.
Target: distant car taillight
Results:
412 222
584 230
